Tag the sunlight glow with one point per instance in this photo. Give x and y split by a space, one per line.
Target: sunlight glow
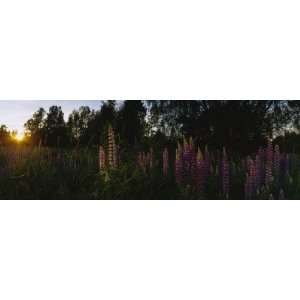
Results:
19 137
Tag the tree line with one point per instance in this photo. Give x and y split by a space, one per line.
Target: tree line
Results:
240 126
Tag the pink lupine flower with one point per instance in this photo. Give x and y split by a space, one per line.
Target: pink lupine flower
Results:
112 148
101 158
225 174
165 162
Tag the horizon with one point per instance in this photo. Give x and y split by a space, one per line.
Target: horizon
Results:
15 113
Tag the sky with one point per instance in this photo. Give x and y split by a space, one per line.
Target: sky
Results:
14 114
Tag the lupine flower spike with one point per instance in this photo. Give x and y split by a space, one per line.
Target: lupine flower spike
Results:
225 174
178 165
101 158
165 162
277 161
269 164
112 149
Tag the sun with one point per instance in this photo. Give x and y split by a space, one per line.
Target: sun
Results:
19 137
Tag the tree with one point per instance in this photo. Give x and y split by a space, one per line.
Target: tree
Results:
35 126
55 127
238 125
131 122
99 121
4 135
78 124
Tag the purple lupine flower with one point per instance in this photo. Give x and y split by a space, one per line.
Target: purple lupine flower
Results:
225 174
269 164
251 181
178 165
277 161
269 154
187 156
258 167
193 160
165 162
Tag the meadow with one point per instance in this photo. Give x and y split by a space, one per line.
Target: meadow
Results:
183 172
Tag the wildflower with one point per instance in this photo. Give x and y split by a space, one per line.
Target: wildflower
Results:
101 158
165 162
269 178
251 181
277 160
258 173
112 149
269 153
151 158
225 173
178 165
186 160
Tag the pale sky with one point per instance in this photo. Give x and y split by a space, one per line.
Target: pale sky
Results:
14 114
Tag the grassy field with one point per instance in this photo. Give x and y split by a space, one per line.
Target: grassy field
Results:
44 173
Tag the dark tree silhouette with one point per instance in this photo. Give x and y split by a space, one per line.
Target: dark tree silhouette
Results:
241 126
4 135
55 127
131 122
35 126
78 125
